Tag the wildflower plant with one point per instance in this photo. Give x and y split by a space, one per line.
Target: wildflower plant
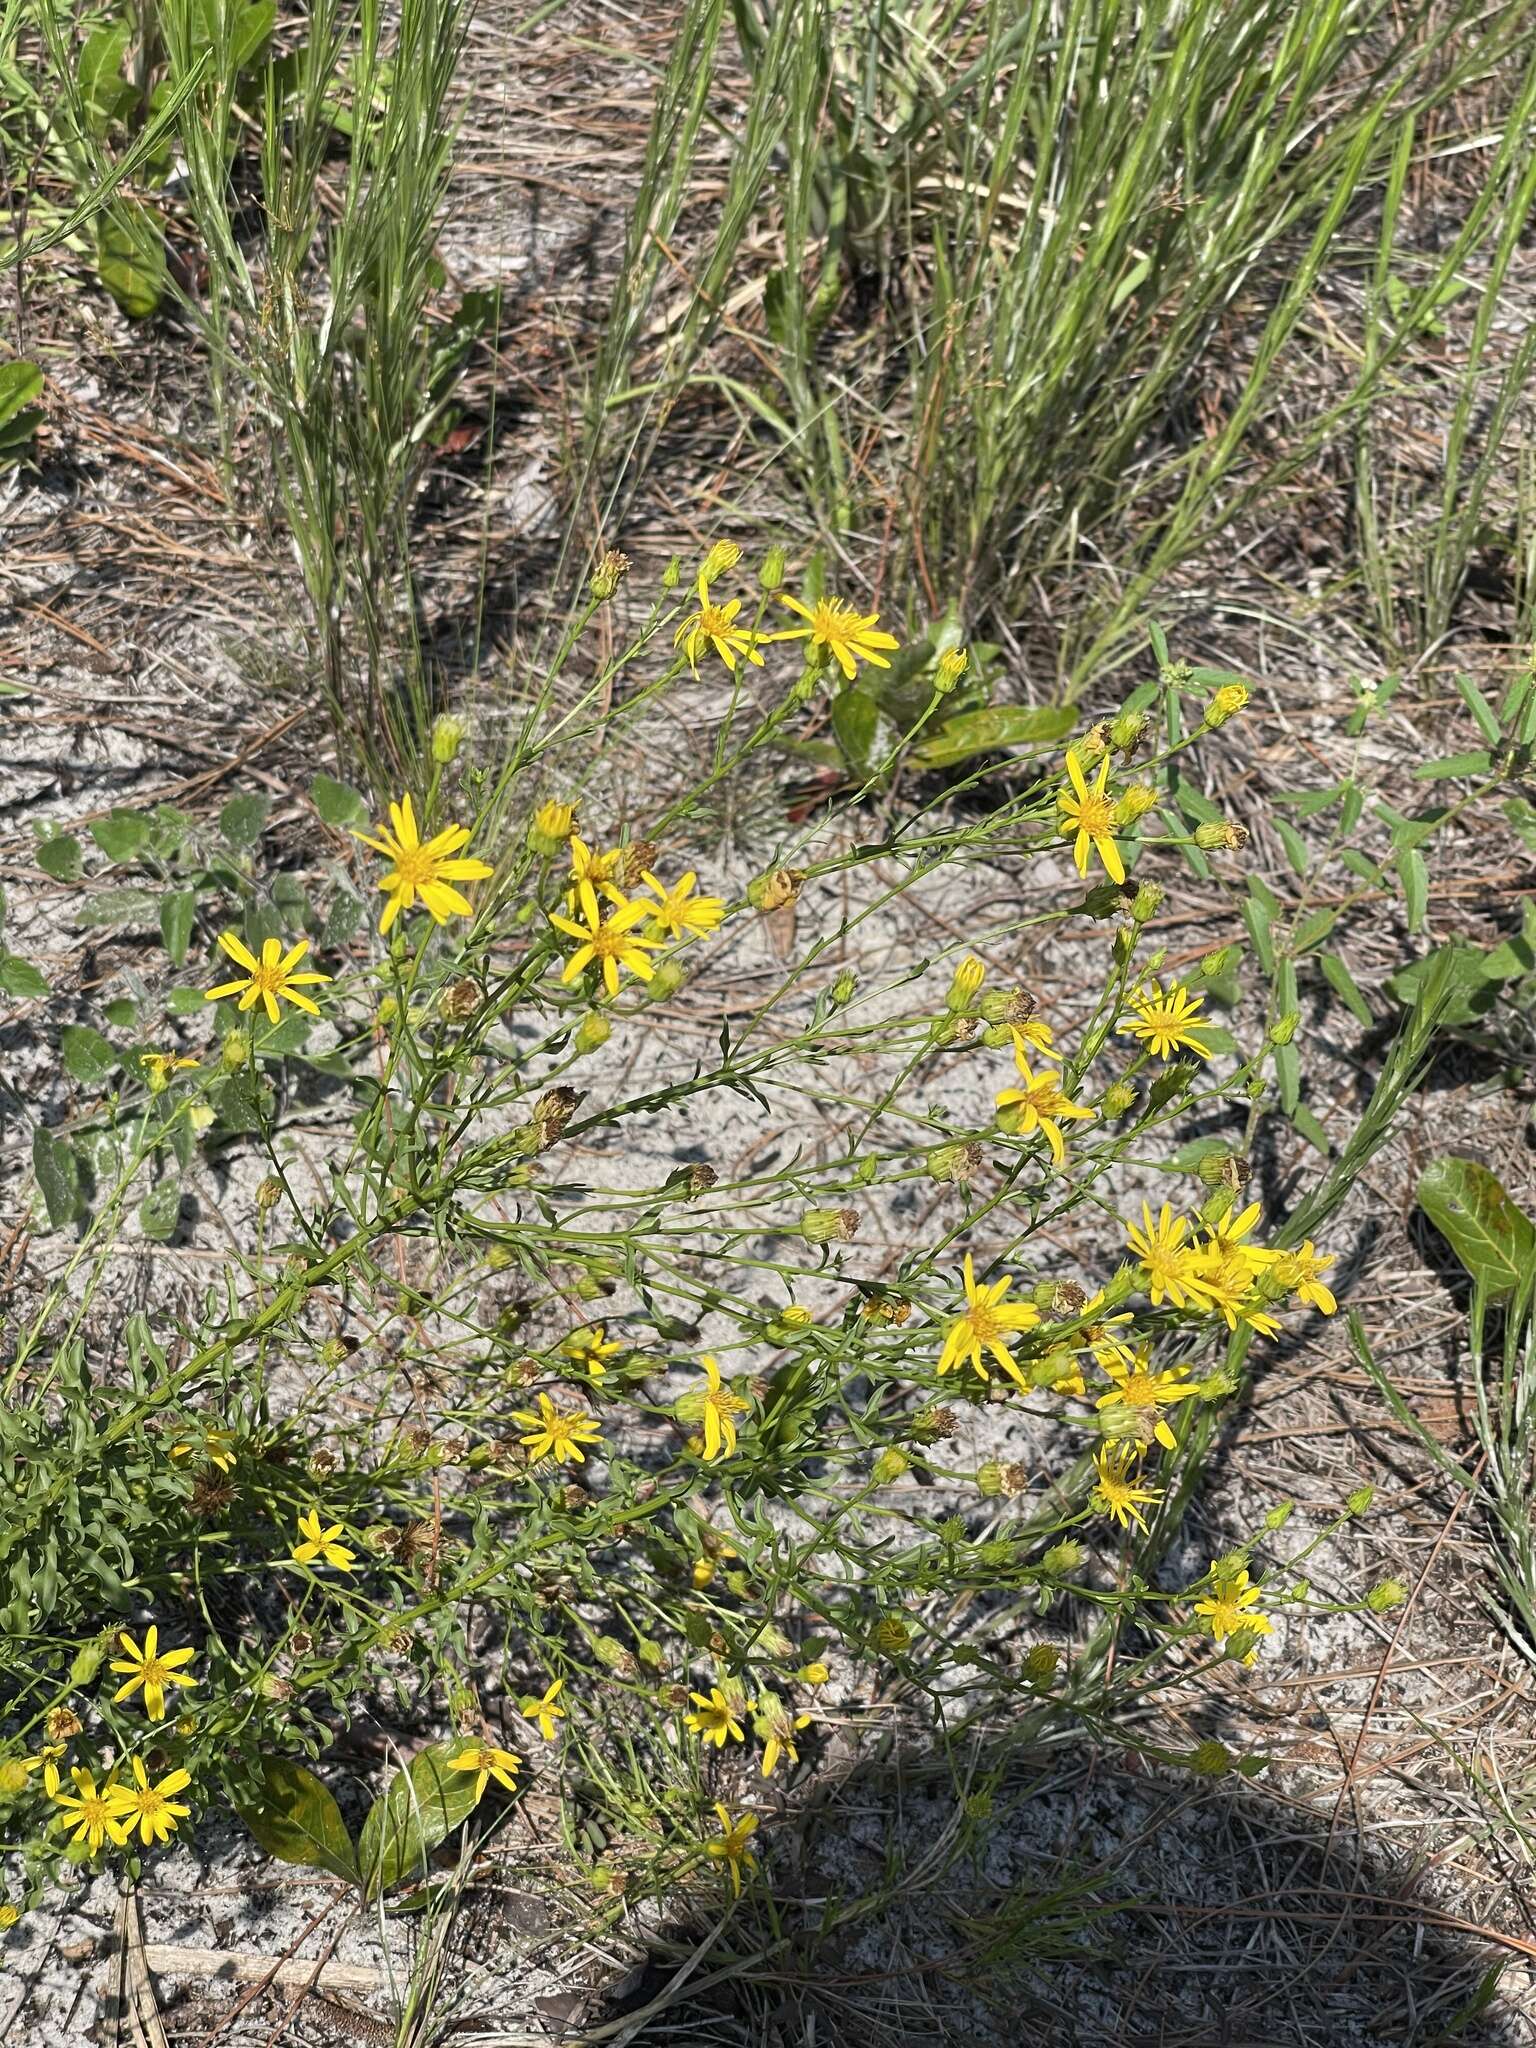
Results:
500 1354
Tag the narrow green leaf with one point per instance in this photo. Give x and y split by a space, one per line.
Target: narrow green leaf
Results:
1345 987
1481 710
1448 765
1295 846
177 907
1414 875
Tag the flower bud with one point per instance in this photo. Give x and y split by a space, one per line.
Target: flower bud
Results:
1106 899
844 987
1382 1598
610 572
770 576
1226 703
1126 731
235 1052
950 668
1062 1558
1214 963
447 737
890 1465
550 831
829 1226
891 1636
965 986
1135 803
672 575
88 1660
1117 1100
1039 1666
997 1037
989 1479
1210 1760
1277 1518
667 978
1285 1028
723 555
1217 836
792 1321
1147 902
593 1031
1360 1500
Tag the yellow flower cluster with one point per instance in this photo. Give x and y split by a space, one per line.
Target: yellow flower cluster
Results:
614 930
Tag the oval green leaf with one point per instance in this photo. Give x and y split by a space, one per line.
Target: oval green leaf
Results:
1493 1238
296 1819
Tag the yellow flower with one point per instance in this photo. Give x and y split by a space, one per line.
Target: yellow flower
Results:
714 625
847 634
152 1668
590 1348
1300 1274
321 1542
731 1849
151 1807
1166 1022
95 1816
551 1434
544 1710
1090 814
782 1730
216 1445
1037 1034
1167 1262
16 1773
48 1756
1116 1492
161 1066
987 1323
267 979
813 1674
612 941
1221 1280
1229 1610
715 1718
1139 1386
427 870
597 869
721 1407
678 917
487 1761
1040 1104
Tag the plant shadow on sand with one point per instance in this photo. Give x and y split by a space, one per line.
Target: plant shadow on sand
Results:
1062 1897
